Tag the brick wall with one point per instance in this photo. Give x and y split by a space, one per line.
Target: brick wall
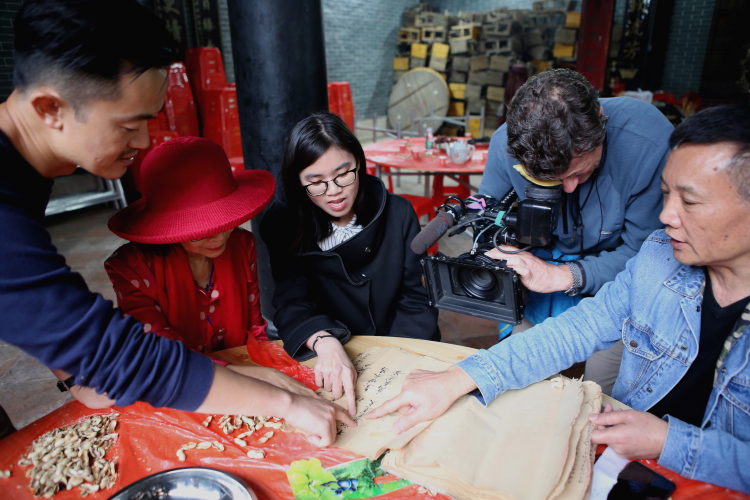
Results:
454 6
688 39
360 38
361 43
8 10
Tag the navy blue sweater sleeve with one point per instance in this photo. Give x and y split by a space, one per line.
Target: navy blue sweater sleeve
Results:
48 311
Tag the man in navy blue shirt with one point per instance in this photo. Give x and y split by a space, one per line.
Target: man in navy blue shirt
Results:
88 76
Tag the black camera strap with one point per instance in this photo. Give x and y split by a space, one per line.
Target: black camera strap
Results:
573 201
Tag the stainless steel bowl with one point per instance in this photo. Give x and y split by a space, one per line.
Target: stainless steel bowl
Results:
189 483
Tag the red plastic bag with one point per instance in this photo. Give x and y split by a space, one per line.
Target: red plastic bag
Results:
272 355
149 439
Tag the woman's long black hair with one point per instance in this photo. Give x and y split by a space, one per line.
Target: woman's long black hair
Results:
308 141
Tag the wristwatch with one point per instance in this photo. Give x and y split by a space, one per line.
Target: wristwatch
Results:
576 272
64 385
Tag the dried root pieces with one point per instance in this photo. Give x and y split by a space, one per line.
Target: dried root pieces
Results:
72 457
230 423
426 491
266 437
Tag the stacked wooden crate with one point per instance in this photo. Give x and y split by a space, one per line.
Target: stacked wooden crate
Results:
553 27
424 44
474 51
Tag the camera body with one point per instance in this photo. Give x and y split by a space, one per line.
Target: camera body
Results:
475 284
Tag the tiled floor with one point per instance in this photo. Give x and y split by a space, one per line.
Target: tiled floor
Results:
27 388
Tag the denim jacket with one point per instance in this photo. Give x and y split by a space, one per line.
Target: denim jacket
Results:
654 307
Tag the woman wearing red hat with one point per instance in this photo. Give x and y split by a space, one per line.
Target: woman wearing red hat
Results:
189 273
340 254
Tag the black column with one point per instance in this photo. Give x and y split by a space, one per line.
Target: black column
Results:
280 71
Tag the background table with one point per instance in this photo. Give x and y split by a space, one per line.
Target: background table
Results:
388 154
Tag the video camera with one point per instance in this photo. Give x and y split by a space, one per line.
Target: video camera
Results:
473 283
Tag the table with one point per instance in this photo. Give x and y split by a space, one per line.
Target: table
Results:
148 438
388 154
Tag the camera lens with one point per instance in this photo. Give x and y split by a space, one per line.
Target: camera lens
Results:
479 283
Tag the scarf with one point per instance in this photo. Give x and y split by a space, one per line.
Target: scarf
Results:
179 301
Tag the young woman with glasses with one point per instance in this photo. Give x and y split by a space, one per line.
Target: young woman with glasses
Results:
340 254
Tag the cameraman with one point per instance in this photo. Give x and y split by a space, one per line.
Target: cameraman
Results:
680 305
608 154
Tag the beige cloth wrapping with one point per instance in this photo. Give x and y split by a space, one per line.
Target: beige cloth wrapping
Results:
529 444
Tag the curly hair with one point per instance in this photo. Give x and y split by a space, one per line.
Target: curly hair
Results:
552 118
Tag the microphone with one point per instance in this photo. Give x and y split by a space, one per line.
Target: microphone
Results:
432 232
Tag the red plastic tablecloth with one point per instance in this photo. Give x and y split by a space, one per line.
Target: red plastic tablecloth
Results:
149 439
688 489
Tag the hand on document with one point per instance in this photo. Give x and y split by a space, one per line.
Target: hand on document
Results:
425 395
632 434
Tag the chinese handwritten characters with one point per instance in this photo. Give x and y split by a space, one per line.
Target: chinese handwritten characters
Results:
380 373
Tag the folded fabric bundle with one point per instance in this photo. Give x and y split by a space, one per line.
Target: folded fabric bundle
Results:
528 444
533 444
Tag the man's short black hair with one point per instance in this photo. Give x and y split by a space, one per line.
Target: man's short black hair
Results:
721 124
552 118
83 47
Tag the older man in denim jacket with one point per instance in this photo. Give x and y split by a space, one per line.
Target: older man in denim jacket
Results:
681 309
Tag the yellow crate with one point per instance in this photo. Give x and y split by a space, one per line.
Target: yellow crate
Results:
573 20
401 63
474 125
456 108
458 90
562 50
440 49
419 50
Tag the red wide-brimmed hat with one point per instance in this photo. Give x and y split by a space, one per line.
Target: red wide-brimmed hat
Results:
190 192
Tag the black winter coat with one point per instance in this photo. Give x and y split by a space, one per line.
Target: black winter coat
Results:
369 285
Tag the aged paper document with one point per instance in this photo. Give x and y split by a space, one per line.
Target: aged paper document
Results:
576 477
528 444
517 447
380 373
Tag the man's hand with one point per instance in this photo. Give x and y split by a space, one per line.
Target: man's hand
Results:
536 275
274 377
424 396
88 397
334 371
631 434
317 417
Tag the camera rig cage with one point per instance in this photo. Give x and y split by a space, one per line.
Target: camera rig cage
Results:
475 284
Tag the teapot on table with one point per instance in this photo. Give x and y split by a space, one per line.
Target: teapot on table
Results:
459 151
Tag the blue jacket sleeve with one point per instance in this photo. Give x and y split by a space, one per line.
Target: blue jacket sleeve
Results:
496 178
555 344
708 455
49 312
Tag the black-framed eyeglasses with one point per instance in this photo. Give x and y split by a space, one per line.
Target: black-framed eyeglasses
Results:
342 180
